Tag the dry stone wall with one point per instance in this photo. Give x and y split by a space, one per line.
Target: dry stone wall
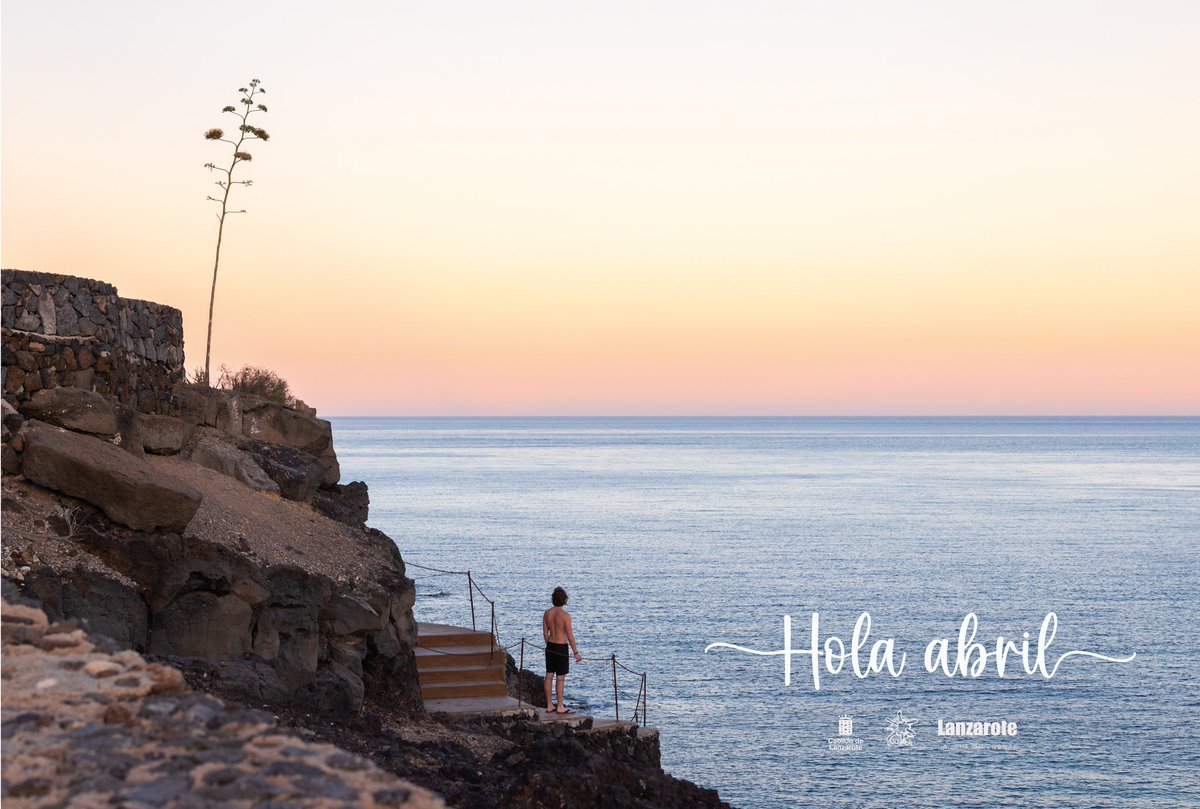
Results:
64 331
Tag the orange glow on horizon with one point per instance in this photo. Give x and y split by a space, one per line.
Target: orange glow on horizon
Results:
628 210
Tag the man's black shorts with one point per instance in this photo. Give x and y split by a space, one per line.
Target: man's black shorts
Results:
558 658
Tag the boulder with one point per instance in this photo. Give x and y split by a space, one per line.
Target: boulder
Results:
333 470
163 435
348 614
203 624
339 690
293 640
10 460
224 411
349 503
10 426
288 629
12 419
297 473
385 643
129 433
268 421
191 404
109 606
253 681
199 404
221 456
74 408
348 652
127 489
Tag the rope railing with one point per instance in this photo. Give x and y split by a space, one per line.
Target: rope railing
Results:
472 588
639 705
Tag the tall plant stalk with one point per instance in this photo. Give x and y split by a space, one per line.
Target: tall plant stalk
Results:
246 132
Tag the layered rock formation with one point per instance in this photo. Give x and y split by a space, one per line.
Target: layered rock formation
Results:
295 607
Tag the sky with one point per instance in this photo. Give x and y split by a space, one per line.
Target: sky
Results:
636 208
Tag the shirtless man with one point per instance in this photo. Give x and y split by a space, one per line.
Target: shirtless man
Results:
556 630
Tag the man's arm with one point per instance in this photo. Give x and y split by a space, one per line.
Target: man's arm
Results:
571 638
546 626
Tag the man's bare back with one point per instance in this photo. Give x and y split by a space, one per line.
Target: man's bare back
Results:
556 626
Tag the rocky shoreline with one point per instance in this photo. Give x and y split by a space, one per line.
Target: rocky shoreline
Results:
203 537
510 762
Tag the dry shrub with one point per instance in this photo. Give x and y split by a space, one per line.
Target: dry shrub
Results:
259 382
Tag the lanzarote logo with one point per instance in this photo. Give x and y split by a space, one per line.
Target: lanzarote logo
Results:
991 734
900 731
975 729
845 740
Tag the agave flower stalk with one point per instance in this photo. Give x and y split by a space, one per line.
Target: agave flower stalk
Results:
247 106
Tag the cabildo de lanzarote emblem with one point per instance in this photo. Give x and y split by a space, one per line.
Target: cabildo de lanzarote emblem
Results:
845 740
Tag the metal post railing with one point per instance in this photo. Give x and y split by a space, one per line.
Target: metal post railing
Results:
495 631
616 694
471 596
520 670
641 704
645 699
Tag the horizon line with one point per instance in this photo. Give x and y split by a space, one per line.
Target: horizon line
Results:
793 416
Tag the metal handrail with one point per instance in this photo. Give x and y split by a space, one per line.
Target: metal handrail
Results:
472 588
639 705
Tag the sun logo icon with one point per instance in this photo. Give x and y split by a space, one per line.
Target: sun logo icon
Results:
900 730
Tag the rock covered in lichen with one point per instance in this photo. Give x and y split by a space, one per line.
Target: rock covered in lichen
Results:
84 726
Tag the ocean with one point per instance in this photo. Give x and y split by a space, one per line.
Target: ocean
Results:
674 534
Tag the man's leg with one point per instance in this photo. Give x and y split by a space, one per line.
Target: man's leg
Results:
562 706
549 688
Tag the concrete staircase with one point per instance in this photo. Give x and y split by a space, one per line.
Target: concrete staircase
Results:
461 674
458 667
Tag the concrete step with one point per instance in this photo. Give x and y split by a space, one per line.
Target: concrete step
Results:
468 706
574 720
609 725
478 688
431 658
460 672
439 635
457 665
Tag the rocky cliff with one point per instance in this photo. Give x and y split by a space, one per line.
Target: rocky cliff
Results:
187 521
208 530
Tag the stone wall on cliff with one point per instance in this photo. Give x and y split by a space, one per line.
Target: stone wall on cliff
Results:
59 330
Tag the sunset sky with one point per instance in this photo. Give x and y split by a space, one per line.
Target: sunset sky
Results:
640 208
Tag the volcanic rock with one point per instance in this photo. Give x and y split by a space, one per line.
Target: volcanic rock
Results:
126 488
73 408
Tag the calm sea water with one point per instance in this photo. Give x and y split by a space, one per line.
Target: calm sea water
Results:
673 534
